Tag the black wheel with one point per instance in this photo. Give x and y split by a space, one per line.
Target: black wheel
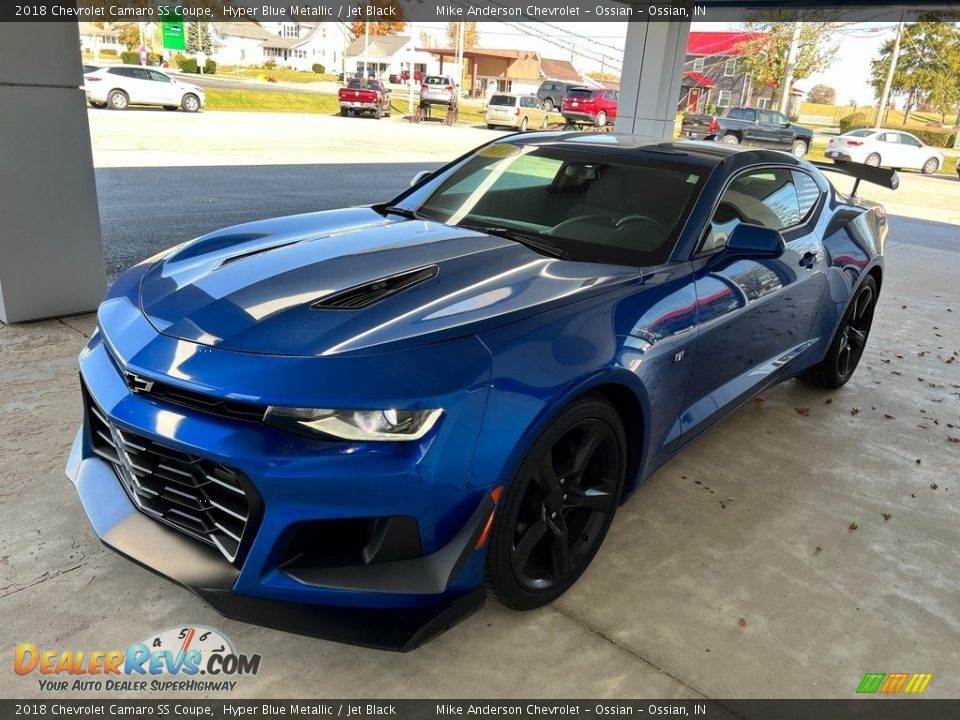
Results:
799 148
523 125
873 160
559 506
98 105
930 166
491 126
191 103
170 108
118 100
548 105
730 140
849 342
343 112
378 113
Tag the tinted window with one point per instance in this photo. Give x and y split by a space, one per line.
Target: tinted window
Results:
859 133
437 80
502 100
761 197
158 76
610 94
579 92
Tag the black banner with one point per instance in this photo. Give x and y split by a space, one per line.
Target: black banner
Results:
862 708
463 10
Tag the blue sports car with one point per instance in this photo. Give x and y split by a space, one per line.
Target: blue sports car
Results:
356 424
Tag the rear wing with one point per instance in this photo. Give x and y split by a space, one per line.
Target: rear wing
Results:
874 175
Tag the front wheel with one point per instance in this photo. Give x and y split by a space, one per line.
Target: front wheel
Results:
523 125
849 342
799 148
191 103
930 166
559 506
544 123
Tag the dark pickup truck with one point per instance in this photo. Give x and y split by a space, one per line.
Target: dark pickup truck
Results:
751 127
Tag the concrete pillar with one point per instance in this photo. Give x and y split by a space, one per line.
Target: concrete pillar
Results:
51 254
650 81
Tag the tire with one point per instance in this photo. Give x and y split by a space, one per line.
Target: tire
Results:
343 112
170 108
98 105
491 126
930 166
545 123
523 125
601 120
798 148
118 100
848 343
378 113
730 140
568 486
548 105
190 103
873 160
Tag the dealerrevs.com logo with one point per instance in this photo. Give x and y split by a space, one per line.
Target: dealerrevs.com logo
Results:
185 659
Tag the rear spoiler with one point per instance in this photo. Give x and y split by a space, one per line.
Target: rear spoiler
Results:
877 176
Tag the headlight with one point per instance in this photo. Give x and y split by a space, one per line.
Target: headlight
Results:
355 424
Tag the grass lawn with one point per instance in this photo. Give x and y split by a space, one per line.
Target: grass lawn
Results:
281 74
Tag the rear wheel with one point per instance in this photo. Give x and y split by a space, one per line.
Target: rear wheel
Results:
601 119
191 103
873 160
548 105
118 100
523 125
559 506
730 140
930 166
343 112
799 148
98 105
491 126
170 108
543 125
848 344
378 113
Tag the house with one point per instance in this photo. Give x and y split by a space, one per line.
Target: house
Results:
93 39
302 45
517 71
238 43
713 75
388 55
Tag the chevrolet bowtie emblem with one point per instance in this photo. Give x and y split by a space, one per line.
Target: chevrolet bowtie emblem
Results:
138 384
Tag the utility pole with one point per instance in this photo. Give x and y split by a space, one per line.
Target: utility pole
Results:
888 83
366 47
413 72
460 36
787 86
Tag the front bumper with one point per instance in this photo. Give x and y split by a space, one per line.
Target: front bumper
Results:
392 600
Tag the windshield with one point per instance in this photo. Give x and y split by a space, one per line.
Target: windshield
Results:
623 210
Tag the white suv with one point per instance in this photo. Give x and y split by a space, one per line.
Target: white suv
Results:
438 90
120 86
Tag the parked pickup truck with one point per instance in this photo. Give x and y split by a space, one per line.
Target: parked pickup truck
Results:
364 96
751 127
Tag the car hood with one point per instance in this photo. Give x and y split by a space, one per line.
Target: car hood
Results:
278 286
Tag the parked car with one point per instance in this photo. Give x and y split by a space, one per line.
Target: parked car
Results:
596 106
750 127
404 77
552 92
358 423
364 96
438 90
885 148
120 86
515 111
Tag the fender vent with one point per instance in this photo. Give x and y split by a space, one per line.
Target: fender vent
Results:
361 296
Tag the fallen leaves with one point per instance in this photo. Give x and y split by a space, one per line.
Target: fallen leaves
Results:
742 622
886 516
855 411
854 526
804 411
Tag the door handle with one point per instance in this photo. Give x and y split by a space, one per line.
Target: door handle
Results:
809 259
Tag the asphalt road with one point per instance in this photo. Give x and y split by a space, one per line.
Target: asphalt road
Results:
144 210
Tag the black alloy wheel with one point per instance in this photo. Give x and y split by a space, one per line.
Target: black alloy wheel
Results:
559 506
849 342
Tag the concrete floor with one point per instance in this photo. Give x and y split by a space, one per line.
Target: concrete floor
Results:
733 573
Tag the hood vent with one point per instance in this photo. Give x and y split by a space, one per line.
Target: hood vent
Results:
361 296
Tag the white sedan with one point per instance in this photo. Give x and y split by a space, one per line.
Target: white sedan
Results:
120 86
886 148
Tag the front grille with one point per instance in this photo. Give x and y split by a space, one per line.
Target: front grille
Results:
204 499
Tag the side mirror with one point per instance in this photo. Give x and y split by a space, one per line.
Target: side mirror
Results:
419 177
754 241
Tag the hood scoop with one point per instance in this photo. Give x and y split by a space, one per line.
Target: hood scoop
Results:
370 293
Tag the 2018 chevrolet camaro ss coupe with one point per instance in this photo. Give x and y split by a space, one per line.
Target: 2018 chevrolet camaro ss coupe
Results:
357 423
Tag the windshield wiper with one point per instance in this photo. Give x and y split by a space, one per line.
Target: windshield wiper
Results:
404 212
530 240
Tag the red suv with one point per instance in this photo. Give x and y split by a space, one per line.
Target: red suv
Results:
597 106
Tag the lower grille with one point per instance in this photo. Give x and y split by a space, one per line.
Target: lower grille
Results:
206 500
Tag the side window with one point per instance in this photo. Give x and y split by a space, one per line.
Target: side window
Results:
158 76
907 139
891 137
760 197
808 193
610 95
779 118
765 116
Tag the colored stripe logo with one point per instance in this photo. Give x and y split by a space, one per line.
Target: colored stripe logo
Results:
894 683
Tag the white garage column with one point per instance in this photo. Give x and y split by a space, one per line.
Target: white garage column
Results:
650 81
51 255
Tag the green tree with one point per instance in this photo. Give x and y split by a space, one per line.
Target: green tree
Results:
198 38
822 94
927 69
471 34
129 35
763 56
